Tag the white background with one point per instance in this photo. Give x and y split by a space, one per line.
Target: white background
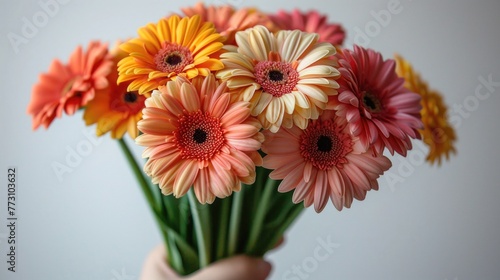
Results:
440 223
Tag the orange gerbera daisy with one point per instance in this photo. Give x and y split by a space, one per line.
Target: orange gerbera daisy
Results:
288 77
227 20
114 108
437 133
172 47
69 87
195 136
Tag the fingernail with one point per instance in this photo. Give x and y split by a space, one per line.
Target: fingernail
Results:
264 268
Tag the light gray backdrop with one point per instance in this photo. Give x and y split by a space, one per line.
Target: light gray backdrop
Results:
435 223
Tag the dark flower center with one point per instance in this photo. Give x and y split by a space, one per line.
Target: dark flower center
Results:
173 59
130 97
324 143
122 100
199 136
371 102
275 75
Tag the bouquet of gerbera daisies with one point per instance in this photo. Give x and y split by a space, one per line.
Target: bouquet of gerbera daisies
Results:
244 116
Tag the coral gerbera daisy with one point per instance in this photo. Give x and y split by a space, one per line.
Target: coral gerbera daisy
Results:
373 99
322 162
172 47
311 21
195 136
437 133
288 77
66 88
115 109
227 20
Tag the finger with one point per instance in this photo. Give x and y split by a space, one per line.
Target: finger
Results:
235 268
155 266
279 243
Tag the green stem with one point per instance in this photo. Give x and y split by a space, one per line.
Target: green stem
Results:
284 225
262 210
139 175
146 189
234 223
179 251
223 225
202 228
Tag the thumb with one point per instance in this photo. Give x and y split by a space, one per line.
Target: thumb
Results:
155 266
235 268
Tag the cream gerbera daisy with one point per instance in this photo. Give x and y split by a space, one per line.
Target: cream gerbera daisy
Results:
172 47
287 77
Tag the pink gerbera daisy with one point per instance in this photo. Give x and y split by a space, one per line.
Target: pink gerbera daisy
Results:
311 21
69 87
195 136
321 162
377 106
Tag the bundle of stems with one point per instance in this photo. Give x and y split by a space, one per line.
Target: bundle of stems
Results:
250 222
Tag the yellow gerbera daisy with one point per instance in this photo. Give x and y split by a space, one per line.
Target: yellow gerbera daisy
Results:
288 77
172 47
437 132
115 109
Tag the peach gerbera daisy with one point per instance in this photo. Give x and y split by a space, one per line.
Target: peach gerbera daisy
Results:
312 22
66 88
115 109
322 162
288 77
373 99
172 47
227 20
437 132
195 136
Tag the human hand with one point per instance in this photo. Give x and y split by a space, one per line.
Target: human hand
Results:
235 268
